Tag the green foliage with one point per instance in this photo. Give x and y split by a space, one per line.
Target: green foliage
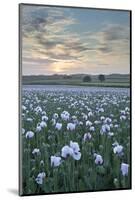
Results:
73 175
87 79
101 77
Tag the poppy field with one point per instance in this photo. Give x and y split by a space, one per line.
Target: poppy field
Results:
75 139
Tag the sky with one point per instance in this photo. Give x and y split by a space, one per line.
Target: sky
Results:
57 40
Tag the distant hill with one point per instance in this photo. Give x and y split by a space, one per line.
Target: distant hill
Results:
76 79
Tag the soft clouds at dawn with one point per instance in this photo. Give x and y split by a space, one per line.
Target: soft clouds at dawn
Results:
68 41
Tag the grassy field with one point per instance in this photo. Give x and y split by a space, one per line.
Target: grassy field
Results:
75 141
114 80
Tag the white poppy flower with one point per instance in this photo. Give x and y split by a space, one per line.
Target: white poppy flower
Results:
92 128
108 120
73 117
105 128
38 129
122 117
65 115
116 125
80 123
76 150
53 121
122 112
102 118
74 146
55 116
29 119
87 136
29 134
111 115
24 107
88 123
55 161
40 178
44 118
36 151
111 125
66 151
85 117
42 163
118 149
111 134
99 159
23 130
43 124
90 114
97 122
76 155
101 110
124 169
71 126
31 106
127 109
43 113
27 101
58 126
38 109
23 115
115 144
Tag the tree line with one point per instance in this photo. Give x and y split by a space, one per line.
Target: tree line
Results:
88 78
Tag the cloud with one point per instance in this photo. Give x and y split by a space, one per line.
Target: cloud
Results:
116 32
45 32
105 49
50 42
46 36
114 38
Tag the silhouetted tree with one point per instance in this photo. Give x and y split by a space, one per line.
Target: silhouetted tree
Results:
101 77
87 79
67 77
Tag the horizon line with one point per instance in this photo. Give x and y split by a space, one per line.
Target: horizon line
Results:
55 74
